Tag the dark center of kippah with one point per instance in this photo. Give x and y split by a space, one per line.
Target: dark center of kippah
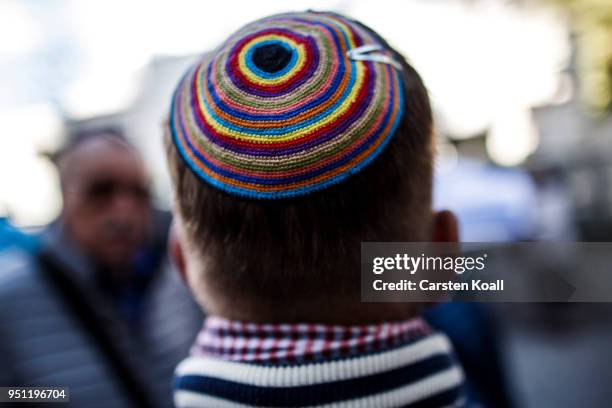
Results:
271 57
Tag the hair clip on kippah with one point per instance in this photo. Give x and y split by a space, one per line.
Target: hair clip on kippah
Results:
366 53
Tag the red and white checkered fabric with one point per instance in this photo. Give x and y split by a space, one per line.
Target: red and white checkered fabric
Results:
298 343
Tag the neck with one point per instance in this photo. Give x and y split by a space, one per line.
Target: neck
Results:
324 311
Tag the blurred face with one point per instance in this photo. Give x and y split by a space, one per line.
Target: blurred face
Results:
106 199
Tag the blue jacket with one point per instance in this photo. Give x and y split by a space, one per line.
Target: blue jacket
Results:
42 343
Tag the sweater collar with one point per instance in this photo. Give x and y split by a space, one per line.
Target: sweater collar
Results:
238 364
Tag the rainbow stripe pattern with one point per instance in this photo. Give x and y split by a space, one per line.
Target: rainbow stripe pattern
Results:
279 110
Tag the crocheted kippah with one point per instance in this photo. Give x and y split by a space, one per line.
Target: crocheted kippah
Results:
282 108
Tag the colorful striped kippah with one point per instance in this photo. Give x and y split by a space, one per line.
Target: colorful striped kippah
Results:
287 106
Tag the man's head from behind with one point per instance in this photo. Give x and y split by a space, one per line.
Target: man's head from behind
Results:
302 136
105 194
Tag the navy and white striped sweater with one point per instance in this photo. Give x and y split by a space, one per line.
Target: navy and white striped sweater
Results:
401 364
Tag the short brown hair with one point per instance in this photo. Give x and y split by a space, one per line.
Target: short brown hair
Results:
283 255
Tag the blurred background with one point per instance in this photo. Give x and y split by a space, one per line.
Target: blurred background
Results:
522 93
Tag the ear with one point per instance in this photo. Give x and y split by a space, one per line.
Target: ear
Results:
176 252
445 227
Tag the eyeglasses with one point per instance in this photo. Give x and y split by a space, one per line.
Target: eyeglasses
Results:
105 189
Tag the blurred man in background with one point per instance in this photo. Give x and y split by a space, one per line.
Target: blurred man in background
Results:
96 309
